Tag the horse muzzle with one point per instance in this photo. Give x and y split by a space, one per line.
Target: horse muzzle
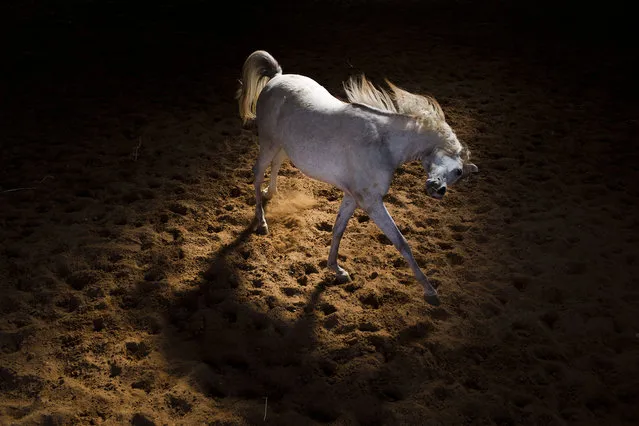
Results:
436 191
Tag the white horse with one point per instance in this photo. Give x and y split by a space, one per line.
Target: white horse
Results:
355 146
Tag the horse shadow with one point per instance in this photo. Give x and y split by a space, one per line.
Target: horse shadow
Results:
231 346
236 346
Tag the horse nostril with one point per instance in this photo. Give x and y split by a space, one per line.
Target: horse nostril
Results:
442 190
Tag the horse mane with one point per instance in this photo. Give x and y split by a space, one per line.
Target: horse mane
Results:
423 108
361 90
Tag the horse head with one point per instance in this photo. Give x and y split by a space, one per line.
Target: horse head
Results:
444 169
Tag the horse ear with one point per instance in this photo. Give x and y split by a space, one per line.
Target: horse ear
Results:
470 168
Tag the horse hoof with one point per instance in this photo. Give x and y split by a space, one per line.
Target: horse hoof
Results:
432 299
342 278
262 229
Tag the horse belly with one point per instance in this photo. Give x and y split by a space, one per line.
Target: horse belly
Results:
318 163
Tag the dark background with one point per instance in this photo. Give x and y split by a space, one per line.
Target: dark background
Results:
47 42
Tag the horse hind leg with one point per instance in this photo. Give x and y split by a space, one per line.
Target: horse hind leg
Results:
266 155
276 163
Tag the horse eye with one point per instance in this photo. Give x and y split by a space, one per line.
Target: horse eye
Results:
459 172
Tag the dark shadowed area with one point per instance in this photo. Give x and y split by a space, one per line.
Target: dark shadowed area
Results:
132 290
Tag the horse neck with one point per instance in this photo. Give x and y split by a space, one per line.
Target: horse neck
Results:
411 139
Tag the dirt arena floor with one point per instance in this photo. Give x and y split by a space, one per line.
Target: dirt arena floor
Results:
132 290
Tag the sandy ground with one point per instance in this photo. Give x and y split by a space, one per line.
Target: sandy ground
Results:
132 290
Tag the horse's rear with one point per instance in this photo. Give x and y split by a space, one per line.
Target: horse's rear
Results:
291 103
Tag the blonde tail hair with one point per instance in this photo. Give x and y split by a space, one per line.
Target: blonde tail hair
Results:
258 69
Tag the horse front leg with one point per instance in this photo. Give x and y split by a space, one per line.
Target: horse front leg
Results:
377 211
346 210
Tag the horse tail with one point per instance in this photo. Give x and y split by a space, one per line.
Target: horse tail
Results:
258 69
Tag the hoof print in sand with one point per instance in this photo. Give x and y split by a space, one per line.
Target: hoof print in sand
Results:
137 350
